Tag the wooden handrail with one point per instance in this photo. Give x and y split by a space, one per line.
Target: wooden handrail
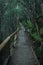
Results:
7 39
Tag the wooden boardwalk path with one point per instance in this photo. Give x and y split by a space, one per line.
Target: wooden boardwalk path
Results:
23 54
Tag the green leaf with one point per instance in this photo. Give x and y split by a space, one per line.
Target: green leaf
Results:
41 30
36 37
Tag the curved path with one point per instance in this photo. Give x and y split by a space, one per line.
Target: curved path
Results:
23 54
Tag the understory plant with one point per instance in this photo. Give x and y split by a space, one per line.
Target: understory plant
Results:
33 33
41 31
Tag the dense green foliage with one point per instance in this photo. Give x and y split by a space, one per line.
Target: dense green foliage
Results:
8 22
36 37
32 30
